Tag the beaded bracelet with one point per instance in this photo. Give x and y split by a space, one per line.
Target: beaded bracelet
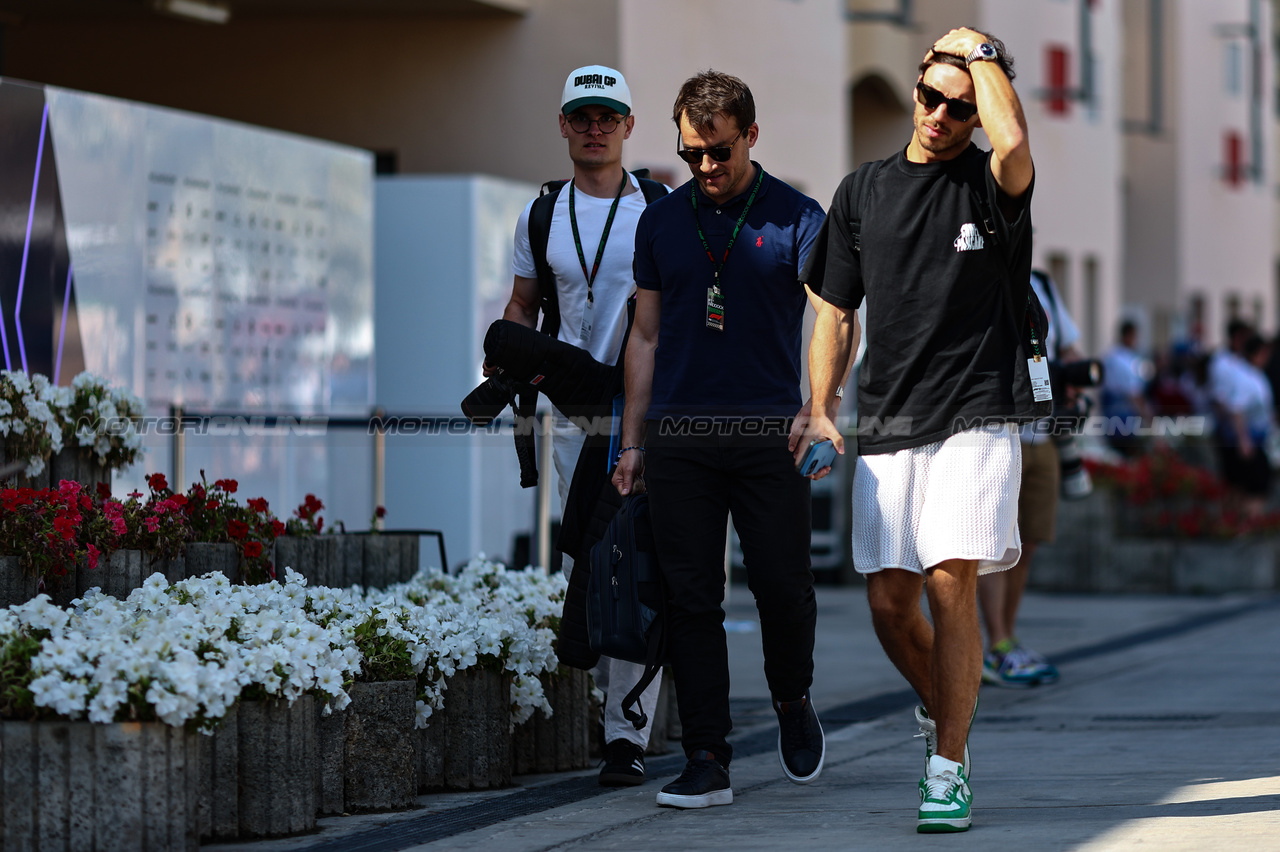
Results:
625 449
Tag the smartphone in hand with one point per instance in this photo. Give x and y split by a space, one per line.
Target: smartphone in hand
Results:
819 455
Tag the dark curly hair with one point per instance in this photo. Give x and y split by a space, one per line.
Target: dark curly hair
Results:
710 93
1003 59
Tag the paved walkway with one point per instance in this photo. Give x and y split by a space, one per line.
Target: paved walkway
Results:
1164 732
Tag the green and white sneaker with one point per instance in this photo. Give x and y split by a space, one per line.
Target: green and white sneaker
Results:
945 798
929 730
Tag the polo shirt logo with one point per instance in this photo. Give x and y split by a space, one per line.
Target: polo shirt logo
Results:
759 242
970 239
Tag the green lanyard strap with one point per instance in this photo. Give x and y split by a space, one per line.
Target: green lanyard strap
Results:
604 235
751 199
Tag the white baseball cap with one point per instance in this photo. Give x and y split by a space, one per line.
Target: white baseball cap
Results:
596 84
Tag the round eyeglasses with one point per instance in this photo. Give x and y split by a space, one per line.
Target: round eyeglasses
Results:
582 124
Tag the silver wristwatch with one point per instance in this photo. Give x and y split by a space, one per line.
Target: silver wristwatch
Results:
985 52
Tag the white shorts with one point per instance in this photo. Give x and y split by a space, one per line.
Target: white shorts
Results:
952 499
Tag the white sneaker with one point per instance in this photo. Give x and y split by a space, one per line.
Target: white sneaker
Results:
929 730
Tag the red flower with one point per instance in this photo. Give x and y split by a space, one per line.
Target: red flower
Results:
227 485
277 528
237 529
178 500
93 556
258 504
152 523
252 549
381 511
157 482
104 490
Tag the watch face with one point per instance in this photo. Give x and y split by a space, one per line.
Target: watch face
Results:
986 51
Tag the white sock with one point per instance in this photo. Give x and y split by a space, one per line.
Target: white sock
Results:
939 764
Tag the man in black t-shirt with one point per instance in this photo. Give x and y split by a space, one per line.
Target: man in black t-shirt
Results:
937 240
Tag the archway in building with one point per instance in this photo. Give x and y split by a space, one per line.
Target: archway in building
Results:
881 121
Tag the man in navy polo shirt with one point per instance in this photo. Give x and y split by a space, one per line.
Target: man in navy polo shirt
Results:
712 383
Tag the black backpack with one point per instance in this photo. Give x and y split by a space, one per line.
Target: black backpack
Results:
626 598
540 232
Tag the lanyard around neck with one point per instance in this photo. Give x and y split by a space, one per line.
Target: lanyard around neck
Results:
604 235
751 199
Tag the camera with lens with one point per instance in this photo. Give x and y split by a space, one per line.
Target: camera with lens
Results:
1067 419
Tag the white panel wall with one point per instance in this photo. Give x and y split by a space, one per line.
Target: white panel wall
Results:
444 274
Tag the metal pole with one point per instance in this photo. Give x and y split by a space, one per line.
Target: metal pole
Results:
380 468
179 450
546 482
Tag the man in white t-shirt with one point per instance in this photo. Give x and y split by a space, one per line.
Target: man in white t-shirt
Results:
1124 386
589 250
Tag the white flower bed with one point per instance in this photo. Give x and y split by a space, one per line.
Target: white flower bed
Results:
486 615
184 653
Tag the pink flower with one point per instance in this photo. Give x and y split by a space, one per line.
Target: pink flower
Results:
152 523
93 556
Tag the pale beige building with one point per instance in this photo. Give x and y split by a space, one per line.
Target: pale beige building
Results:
1200 183
455 86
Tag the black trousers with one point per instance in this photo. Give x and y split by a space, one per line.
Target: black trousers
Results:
694 483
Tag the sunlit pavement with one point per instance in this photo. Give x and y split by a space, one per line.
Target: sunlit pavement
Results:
1162 733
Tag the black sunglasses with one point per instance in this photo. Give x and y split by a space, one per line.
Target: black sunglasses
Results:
931 99
720 153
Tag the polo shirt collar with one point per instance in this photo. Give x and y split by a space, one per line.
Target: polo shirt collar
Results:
741 198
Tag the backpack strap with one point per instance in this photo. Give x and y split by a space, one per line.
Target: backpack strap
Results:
638 718
540 214
870 171
1054 317
651 188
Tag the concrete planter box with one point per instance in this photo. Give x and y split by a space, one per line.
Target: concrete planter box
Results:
203 557
379 767
16 585
79 466
318 558
117 574
366 759
376 561
78 786
563 741
467 745
257 771
331 747
71 463
1092 555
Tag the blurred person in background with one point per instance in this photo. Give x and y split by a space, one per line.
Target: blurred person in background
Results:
1245 403
1124 388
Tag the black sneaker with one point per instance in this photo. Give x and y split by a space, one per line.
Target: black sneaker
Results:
703 783
623 765
801 746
